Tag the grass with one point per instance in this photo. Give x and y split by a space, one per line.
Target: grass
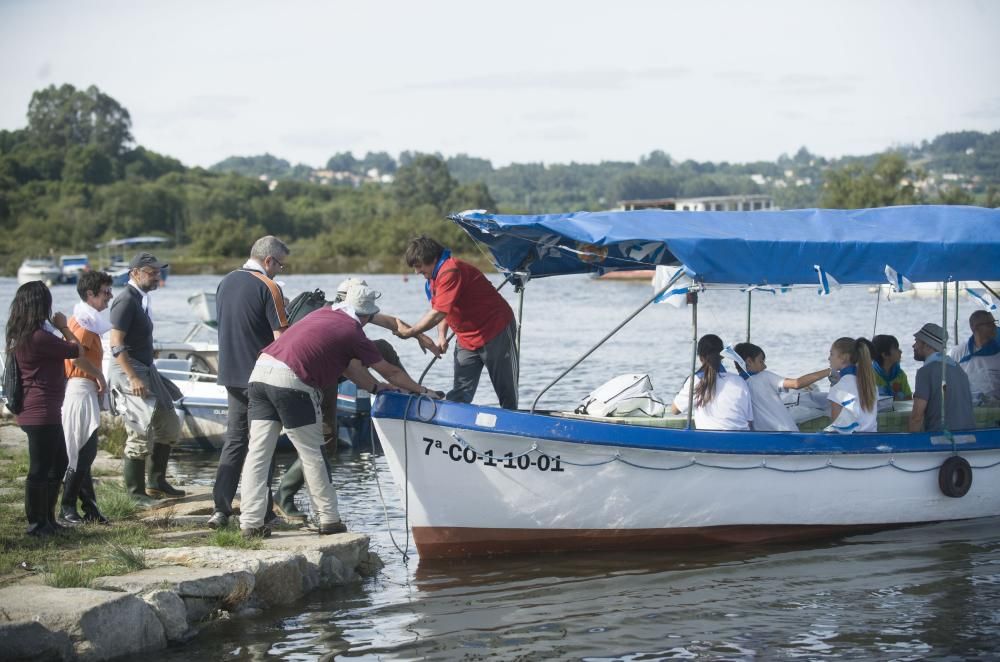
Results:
111 437
232 537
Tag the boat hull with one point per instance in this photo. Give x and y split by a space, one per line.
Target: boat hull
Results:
487 481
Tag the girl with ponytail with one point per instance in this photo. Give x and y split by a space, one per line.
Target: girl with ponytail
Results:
721 399
854 397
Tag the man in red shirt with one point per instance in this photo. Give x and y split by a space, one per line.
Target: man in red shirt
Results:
462 298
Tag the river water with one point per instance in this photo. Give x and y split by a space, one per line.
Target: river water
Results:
928 592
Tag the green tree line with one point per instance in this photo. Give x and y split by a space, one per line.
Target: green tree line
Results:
74 177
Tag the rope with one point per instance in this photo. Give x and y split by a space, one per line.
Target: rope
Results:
694 462
406 492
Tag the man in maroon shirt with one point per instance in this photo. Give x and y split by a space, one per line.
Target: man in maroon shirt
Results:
286 391
462 298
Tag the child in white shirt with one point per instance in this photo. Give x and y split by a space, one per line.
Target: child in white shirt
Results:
769 412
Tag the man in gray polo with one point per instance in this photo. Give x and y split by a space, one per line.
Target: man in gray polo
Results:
143 398
928 346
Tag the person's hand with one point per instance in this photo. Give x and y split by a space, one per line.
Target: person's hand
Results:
403 330
428 345
102 384
59 321
442 345
138 387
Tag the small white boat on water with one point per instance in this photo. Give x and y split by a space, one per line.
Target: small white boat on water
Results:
482 480
203 305
44 269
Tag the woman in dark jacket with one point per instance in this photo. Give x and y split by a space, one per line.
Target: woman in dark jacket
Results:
32 339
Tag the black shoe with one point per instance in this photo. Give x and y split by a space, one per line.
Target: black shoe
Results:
69 516
258 532
218 520
88 497
71 491
332 527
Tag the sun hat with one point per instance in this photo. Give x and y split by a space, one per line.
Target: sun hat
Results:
346 284
362 299
933 335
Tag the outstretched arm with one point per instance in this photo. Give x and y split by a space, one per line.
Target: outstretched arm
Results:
806 380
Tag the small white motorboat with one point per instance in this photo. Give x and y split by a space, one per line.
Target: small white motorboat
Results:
71 266
44 269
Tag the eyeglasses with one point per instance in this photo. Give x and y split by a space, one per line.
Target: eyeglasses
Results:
107 292
281 267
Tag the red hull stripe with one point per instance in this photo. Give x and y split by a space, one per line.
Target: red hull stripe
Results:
460 542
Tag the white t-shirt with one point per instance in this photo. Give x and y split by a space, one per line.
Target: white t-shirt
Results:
983 372
852 417
730 408
769 412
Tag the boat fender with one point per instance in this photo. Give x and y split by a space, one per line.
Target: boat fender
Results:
955 477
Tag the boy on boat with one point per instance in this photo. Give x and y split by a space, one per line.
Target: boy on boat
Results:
462 298
769 412
889 376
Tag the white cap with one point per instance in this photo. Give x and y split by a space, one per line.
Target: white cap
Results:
344 286
362 299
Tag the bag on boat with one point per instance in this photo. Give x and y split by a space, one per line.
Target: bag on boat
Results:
13 391
625 395
304 304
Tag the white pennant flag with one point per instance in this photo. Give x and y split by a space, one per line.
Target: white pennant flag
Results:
983 299
677 296
897 281
729 353
826 281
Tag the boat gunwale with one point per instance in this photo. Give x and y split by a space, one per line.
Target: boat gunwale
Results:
544 426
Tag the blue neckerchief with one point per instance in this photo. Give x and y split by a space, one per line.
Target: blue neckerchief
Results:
989 349
887 388
437 267
746 374
701 373
849 370
938 356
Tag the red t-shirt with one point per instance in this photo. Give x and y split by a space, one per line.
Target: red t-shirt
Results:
472 306
319 346
42 378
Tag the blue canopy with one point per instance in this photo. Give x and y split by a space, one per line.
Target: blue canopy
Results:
931 243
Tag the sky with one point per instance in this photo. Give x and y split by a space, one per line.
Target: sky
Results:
515 81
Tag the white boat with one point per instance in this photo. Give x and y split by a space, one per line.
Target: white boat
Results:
203 305
71 266
115 256
38 268
481 480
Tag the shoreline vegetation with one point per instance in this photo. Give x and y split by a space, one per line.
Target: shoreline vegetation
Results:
74 177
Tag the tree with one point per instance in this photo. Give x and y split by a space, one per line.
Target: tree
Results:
425 181
64 116
342 162
888 182
380 161
954 195
87 165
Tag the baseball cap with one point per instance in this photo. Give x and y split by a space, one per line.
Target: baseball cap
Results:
145 260
362 299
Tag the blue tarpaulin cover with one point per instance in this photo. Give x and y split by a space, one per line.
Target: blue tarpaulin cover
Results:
930 243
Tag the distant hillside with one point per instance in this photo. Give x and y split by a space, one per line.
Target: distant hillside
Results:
965 163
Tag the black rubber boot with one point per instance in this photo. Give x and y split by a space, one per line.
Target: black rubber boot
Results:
52 504
156 483
71 490
290 484
135 482
36 499
88 497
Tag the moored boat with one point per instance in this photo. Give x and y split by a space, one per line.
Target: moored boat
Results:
44 269
480 480
71 266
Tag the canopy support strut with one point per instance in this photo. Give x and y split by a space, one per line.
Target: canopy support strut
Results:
693 298
749 302
674 279
944 352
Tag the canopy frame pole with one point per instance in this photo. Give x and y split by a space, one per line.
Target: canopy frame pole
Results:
520 322
988 289
749 302
693 298
878 299
956 311
944 354
674 279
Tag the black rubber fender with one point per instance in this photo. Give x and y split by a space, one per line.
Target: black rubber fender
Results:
955 477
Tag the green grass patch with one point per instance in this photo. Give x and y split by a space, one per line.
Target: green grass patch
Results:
114 501
233 537
111 437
